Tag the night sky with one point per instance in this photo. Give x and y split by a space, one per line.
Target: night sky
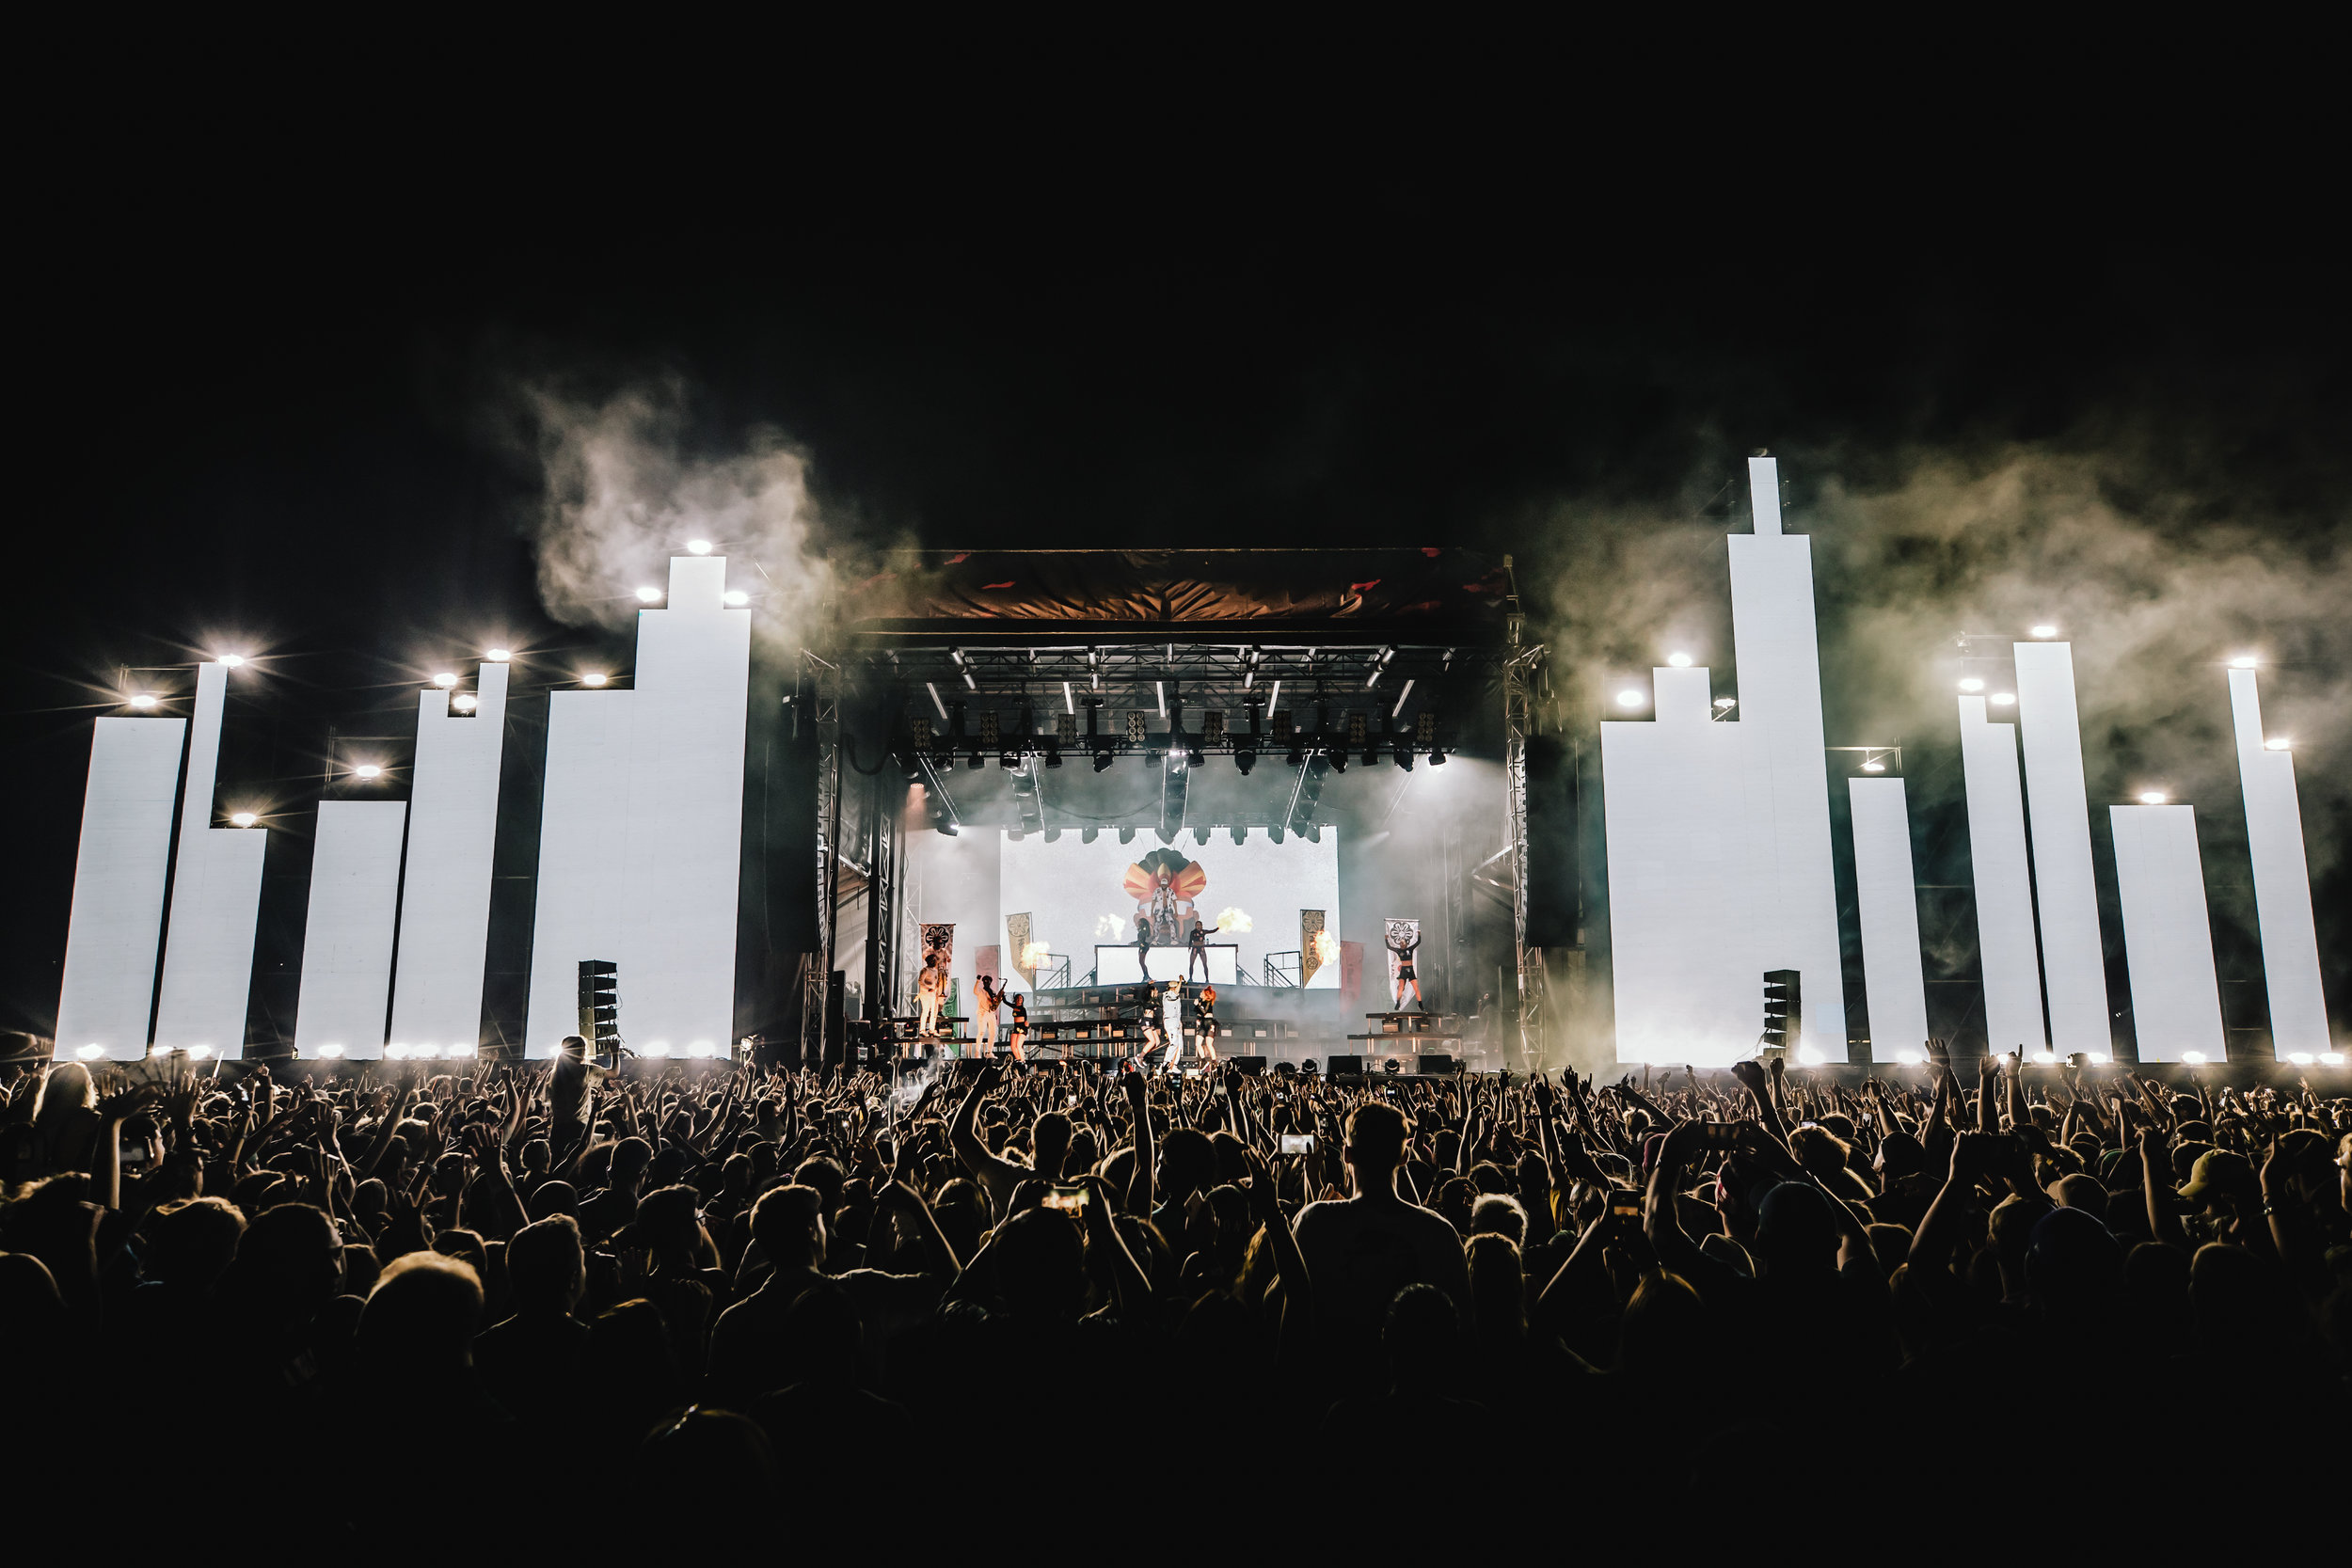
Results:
248 422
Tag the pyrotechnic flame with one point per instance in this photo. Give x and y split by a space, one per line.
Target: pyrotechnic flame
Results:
1109 926
1034 955
1230 919
1327 948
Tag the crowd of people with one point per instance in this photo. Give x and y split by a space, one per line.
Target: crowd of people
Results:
749 1287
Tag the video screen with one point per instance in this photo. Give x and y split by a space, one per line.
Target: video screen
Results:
1260 901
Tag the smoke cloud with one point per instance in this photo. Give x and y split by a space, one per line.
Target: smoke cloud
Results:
622 493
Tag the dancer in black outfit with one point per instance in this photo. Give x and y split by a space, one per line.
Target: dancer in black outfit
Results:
1405 975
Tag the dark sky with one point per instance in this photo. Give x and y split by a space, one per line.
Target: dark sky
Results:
283 421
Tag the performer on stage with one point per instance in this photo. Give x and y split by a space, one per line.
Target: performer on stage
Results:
1143 946
1020 1026
986 999
1204 1024
1199 950
1404 976
926 988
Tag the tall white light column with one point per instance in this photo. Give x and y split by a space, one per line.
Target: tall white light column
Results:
216 899
2074 959
1888 908
109 982
640 836
445 896
2176 1000
2006 947
2283 883
1691 879
1780 699
347 941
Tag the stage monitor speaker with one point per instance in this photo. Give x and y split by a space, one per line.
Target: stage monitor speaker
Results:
1337 1065
1436 1065
1554 889
1248 1066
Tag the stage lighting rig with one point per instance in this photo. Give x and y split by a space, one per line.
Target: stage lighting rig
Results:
1275 833
1088 835
1126 836
1237 834
1244 759
1404 754
1201 835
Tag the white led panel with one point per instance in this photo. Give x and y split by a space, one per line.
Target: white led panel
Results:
1888 908
1996 846
640 848
445 901
2282 885
1780 704
348 940
2176 1003
1691 899
2073 962
109 983
216 899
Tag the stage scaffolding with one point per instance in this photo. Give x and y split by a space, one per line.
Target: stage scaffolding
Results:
906 699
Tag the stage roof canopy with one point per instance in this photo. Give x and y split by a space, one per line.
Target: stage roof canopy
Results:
1423 595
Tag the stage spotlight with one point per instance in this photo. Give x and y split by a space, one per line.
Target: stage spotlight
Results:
2003 699
1971 683
2046 1058
1314 833
1237 834
243 818
2045 631
943 761
698 546
1404 754
1338 761
1008 761
1126 836
1275 833
445 680
1088 835
1908 1057
2300 1058
1201 835
1725 704
368 771
1810 1055
736 597
198 1052
976 762
497 656
649 594
1680 662
595 677
1192 757
702 1049
1102 761
1053 836
1437 759
2243 662
231 662
1053 753
330 1052
2195 1057
2151 796
654 1050
91 1052
949 828
142 698
1245 761
1874 765
1296 758
2331 1058
2278 743
465 702
459 1053
1629 698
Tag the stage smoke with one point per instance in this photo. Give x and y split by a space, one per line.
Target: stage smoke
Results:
621 494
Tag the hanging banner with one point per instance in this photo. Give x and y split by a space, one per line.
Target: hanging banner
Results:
1310 940
1018 942
1404 936
939 948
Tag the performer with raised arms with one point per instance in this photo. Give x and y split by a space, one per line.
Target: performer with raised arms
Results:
1404 976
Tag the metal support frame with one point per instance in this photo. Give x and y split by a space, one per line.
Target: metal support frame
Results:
824 681
881 900
1520 661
